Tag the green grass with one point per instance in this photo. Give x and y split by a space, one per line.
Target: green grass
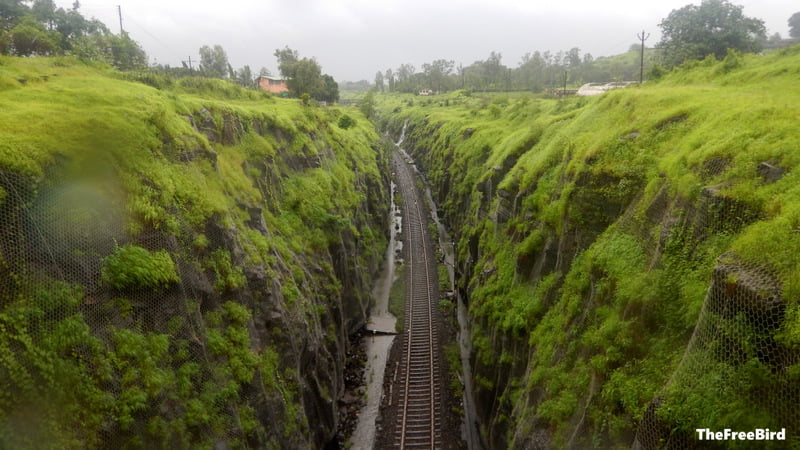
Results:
397 297
621 185
197 177
131 266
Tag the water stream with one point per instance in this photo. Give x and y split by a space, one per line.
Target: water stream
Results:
378 346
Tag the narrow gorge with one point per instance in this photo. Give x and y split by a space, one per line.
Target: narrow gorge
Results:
184 263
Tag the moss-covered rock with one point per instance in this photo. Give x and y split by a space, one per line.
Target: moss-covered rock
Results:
627 258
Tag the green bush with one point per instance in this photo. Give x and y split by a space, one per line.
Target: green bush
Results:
346 122
133 266
227 276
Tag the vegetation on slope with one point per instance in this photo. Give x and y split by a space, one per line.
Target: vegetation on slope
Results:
629 258
179 267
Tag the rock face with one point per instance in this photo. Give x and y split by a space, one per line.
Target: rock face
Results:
609 306
194 288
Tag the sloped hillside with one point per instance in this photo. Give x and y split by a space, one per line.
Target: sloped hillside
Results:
630 260
179 267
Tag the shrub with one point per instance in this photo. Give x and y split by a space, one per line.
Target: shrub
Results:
346 122
227 276
133 266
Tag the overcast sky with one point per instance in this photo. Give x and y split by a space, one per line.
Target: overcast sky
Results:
353 39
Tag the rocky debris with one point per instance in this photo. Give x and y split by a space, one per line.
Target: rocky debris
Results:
630 137
738 288
352 400
770 173
256 221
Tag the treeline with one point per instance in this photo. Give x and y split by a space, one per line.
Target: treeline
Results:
303 76
535 72
39 28
715 28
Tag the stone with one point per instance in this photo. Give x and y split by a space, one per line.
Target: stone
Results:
770 173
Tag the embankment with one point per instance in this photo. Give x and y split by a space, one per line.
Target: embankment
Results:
180 265
630 259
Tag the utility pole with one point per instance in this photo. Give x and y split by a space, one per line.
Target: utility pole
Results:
642 37
191 70
119 12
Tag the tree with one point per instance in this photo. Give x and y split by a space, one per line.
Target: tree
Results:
405 78
38 27
794 25
531 71
45 11
367 106
244 77
330 91
379 81
574 58
72 26
30 38
287 58
389 78
774 41
305 77
487 75
11 11
126 53
494 69
213 61
695 32
437 74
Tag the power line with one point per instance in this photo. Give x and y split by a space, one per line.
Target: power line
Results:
139 27
153 37
95 9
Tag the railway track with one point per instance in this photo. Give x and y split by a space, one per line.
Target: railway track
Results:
419 381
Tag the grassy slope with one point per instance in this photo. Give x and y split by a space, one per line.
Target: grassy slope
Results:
118 162
616 185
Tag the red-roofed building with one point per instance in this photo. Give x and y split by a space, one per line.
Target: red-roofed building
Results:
273 85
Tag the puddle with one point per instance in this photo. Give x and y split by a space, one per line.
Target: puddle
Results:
378 346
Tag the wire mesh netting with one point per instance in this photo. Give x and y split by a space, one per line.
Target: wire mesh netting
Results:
738 372
127 320
735 373
99 355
